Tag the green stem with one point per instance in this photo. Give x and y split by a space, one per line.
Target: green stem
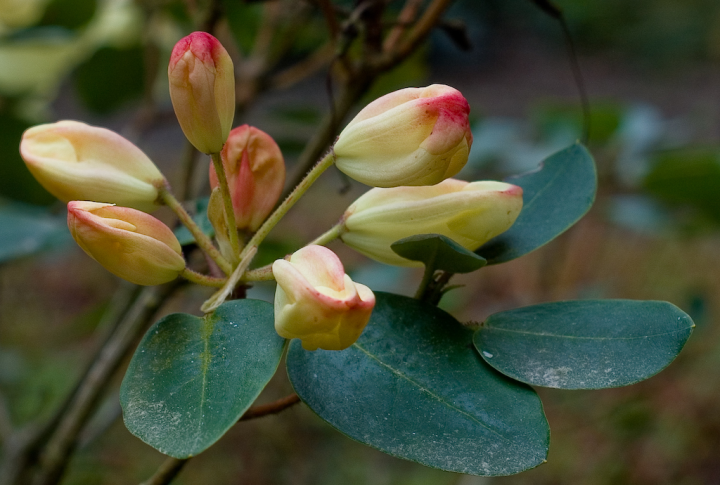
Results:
259 274
426 279
202 279
229 212
333 233
201 239
290 201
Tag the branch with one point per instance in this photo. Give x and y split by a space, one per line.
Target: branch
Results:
167 471
274 407
171 467
58 449
417 35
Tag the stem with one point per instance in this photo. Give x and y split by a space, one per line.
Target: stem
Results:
58 449
167 471
202 279
426 279
333 233
270 408
201 239
290 201
229 211
260 274
172 466
221 295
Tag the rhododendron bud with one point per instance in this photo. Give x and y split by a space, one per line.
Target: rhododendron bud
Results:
202 90
317 302
75 161
414 136
255 172
130 244
468 213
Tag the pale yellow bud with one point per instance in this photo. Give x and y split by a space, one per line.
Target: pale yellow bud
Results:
317 302
130 244
202 90
75 161
414 136
468 213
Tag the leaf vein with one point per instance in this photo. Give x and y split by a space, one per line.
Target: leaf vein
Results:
427 391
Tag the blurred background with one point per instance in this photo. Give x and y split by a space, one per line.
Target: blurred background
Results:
652 73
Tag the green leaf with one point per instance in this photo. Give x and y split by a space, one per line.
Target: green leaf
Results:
71 14
201 219
413 386
111 78
192 378
554 198
690 176
591 344
26 229
16 181
439 253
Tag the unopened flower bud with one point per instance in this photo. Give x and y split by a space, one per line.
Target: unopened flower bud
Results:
255 172
317 302
202 90
130 244
75 161
468 213
414 136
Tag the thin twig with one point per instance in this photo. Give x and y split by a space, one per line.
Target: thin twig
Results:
404 19
169 469
274 407
332 22
57 451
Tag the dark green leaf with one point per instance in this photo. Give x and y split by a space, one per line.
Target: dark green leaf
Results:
414 387
554 197
192 378
25 230
201 219
111 78
71 14
16 181
591 344
689 176
439 253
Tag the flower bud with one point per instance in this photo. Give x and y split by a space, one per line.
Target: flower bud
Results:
75 161
317 302
202 90
468 213
414 136
255 172
130 244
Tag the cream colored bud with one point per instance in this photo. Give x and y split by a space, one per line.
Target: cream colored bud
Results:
414 136
129 243
317 302
468 213
75 161
202 90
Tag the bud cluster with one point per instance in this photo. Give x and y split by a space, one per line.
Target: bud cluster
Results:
406 145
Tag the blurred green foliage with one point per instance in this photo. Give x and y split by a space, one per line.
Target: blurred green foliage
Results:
110 78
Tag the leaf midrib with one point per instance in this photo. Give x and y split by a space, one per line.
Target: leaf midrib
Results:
577 337
423 389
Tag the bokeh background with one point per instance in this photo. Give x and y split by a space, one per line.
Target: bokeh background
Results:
652 73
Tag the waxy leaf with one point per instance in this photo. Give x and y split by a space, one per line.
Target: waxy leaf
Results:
201 219
591 344
554 198
26 229
192 378
438 252
414 387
